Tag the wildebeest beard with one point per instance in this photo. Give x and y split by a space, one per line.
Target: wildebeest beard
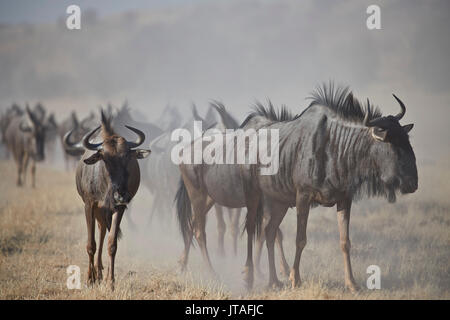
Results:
372 186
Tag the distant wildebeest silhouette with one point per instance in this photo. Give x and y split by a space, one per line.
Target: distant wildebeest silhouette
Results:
25 139
78 129
5 119
107 178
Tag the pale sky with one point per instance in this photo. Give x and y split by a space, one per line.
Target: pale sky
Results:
46 11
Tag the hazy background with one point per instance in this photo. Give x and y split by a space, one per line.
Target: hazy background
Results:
154 53
157 52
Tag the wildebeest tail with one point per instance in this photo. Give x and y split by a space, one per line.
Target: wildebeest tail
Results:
258 220
184 210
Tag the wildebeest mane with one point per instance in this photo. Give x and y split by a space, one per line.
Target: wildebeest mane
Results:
269 113
341 100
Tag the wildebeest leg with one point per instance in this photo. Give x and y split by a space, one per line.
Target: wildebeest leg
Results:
343 215
33 173
19 162
252 209
112 243
283 263
259 246
24 168
102 232
201 206
302 205
187 246
235 228
277 213
90 247
221 227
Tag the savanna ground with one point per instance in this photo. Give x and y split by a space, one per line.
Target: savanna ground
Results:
42 232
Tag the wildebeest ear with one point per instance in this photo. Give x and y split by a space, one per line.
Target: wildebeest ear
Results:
379 134
408 127
94 158
142 153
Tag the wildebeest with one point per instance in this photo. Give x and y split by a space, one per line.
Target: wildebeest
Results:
107 178
51 133
51 136
5 120
204 185
25 139
123 117
333 153
78 129
170 119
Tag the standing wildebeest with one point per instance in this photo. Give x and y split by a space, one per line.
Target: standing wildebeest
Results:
107 178
51 134
204 185
5 120
25 138
332 154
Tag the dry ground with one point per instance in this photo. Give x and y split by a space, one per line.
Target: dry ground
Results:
42 232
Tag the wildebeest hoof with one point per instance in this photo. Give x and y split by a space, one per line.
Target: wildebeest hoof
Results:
248 278
284 271
295 279
352 287
182 265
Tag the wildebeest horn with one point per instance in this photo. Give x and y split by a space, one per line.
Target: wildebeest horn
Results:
91 146
366 117
402 113
71 147
140 139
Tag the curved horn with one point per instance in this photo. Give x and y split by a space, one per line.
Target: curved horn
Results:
402 105
71 147
91 146
140 139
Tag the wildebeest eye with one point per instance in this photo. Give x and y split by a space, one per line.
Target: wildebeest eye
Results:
379 134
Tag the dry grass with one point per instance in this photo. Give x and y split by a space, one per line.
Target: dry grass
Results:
42 231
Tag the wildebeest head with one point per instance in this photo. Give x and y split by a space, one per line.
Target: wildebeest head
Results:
393 153
119 156
36 130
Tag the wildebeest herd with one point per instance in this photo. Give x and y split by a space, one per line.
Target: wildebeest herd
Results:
334 152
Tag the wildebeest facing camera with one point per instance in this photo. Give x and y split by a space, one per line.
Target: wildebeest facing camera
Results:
253 150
